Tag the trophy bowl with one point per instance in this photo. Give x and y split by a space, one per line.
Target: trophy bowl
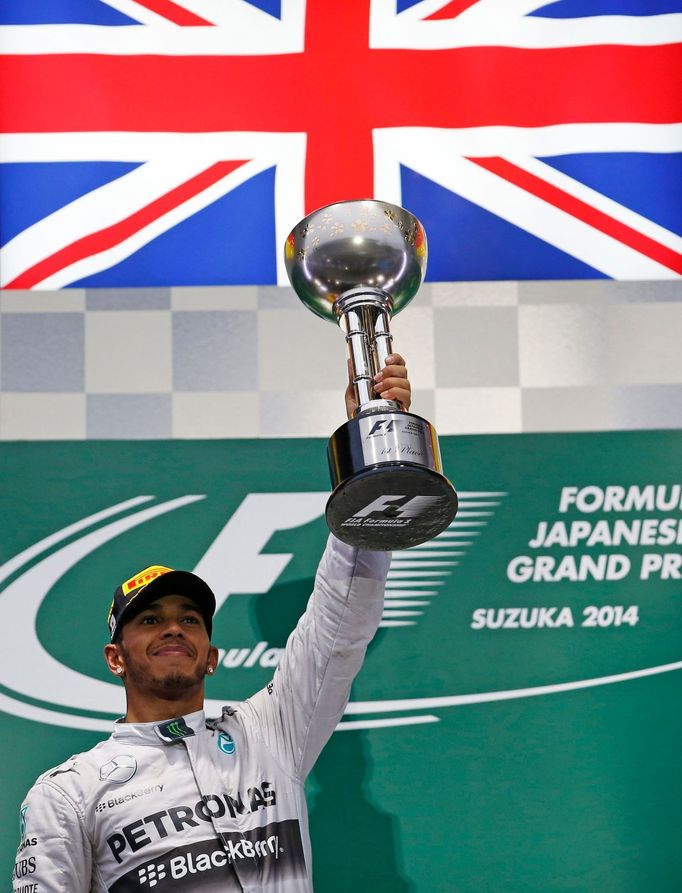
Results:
357 263
356 244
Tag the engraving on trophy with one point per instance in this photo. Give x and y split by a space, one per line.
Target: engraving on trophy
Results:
390 438
365 263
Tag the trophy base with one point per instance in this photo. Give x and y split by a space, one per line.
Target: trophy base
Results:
389 492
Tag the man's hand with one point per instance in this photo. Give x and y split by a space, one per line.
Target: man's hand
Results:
389 384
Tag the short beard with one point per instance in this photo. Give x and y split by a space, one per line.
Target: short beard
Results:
171 687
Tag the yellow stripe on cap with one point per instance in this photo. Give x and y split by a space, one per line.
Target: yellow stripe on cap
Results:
144 577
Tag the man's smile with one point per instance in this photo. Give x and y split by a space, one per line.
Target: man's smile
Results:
175 649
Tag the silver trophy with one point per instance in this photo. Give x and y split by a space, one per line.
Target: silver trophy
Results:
357 263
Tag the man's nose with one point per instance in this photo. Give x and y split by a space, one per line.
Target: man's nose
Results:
172 627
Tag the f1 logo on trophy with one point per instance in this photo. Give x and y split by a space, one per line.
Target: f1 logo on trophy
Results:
356 263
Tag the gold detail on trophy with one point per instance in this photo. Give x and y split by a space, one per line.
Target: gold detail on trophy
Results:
411 235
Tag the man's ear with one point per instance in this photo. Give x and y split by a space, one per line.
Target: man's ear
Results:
115 661
212 659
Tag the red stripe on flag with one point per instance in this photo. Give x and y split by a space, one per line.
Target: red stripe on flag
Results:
173 12
551 194
339 93
339 102
467 87
113 235
450 10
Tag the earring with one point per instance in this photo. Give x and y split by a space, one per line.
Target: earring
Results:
119 670
210 671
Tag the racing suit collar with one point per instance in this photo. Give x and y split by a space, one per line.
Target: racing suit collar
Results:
145 732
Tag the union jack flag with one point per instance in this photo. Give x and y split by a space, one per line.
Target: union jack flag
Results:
176 142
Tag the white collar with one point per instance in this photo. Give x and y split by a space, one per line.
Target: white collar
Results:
145 732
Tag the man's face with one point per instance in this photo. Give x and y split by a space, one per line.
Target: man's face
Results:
165 648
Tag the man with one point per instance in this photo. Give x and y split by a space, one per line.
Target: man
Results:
173 801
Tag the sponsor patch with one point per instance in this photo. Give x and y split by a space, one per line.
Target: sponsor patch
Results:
64 768
161 824
173 730
22 820
119 770
225 743
111 802
273 851
144 577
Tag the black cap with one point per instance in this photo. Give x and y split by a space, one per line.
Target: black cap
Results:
153 582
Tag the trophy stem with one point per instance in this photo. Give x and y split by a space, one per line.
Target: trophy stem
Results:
360 355
382 339
363 314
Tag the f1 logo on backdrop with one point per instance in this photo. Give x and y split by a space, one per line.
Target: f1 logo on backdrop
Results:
232 564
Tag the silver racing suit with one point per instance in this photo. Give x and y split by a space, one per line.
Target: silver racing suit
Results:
210 805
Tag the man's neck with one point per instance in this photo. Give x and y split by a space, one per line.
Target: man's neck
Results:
161 709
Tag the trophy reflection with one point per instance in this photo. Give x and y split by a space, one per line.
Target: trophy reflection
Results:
357 263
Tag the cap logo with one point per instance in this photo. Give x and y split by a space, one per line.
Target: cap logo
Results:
144 577
129 592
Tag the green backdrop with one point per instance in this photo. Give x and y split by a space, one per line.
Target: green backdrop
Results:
477 755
